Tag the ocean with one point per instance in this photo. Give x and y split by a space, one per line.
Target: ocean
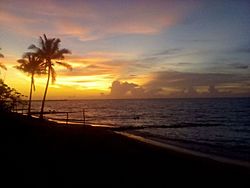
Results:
216 126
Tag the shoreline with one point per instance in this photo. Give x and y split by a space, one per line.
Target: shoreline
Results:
155 142
161 144
45 152
186 151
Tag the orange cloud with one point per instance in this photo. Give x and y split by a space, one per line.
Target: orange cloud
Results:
7 18
89 22
67 28
146 24
95 70
145 17
15 23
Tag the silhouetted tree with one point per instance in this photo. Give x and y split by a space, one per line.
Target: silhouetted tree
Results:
9 97
31 64
49 51
2 65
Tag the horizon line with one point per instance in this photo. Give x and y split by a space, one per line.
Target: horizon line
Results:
143 98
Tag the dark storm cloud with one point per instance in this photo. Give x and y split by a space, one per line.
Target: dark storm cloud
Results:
186 79
184 84
239 66
184 63
171 51
244 49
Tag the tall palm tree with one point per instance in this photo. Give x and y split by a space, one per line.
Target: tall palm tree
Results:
2 65
31 64
49 51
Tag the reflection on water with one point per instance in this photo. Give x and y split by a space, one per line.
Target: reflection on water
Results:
220 126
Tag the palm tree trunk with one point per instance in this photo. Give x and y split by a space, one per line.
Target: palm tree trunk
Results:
32 81
45 92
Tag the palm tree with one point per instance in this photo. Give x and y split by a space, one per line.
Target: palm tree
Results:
49 50
2 65
30 64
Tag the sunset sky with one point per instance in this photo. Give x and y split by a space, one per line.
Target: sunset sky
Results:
133 48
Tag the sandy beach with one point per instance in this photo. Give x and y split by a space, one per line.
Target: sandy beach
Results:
43 153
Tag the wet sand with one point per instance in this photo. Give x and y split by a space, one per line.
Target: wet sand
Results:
45 153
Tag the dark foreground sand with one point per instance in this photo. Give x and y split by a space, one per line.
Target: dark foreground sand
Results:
42 153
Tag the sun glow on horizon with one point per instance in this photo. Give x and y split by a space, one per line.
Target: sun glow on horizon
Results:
147 48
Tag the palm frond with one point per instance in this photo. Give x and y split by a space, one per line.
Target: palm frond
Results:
41 42
38 51
60 53
44 64
68 66
1 55
3 66
65 51
31 64
56 45
27 54
33 47
45 37
22 61
17 67
22 68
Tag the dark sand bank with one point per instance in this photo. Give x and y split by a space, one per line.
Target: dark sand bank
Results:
46 153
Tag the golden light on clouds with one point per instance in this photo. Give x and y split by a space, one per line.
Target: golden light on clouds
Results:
147 46
87 82
91 75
